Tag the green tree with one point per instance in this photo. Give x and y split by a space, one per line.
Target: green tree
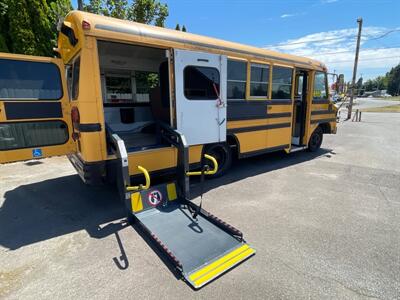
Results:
117 8
3 26
369 85
22 36
96 7
177 27
359 83
148 12
28 26
183 28
378 83
393 81
142 11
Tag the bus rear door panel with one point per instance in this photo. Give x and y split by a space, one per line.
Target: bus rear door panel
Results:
35 120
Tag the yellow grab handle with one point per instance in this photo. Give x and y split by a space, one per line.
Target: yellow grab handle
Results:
141 186
209 172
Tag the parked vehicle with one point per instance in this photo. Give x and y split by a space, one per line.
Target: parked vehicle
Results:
125 100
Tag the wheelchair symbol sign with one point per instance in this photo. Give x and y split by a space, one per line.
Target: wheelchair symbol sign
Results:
37 153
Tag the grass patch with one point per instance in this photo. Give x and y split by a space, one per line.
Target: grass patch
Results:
395 98
391 108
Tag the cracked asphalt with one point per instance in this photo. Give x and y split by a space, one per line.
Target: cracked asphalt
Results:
325 225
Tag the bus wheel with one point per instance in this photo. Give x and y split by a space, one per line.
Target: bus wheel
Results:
315 140
223 154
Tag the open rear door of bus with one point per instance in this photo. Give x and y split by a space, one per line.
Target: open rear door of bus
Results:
35 118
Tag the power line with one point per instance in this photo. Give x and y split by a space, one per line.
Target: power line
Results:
365 59
383 35
313 41
362 50
339 38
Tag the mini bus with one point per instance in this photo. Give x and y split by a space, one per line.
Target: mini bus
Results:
111 76
125 100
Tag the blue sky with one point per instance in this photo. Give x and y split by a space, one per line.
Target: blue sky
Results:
274 24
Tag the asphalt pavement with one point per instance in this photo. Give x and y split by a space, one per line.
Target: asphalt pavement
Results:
325 225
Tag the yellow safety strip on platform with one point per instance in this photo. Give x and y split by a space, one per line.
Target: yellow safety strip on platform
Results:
221 265
136 202
171 190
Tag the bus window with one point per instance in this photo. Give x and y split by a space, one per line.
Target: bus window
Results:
237 74
75 78
28 80
320 91
259 79
282 83
145 82
118 88
201 83
20 135
298 92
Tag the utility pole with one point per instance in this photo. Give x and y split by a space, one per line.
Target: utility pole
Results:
360 22
80 4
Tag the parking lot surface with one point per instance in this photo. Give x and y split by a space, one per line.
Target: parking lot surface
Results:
325 225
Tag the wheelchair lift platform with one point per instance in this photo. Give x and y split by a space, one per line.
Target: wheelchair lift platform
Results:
199 245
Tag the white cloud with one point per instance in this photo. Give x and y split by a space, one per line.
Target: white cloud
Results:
336 49
287 16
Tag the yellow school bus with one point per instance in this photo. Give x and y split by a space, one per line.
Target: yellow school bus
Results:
114 76
124 100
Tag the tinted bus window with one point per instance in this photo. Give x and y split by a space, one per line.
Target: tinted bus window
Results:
282 83
259 79
32 134
29 80
201 83
320 88
75 78
237 74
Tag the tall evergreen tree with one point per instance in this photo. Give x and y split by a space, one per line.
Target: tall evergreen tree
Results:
3 26
393 78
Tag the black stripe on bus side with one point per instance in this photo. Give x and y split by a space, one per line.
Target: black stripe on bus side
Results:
32 110
323 120
321 112
320 101
280 102
257 128
245 110
263 151
89 127
254 109
267 116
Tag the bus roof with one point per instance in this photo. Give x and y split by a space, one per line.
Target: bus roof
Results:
116 29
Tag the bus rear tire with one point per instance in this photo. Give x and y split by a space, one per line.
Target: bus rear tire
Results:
223 154
315 139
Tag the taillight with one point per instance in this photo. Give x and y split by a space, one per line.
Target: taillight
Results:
85 25
75 117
